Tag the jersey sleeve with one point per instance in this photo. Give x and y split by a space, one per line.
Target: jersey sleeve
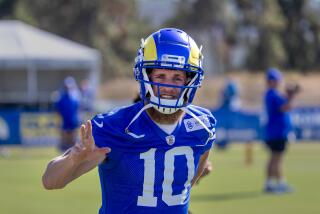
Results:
108 130
98 127
211 140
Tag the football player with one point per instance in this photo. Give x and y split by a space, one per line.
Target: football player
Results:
149 154
277 129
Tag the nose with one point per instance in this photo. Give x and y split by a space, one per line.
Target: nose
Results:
169 90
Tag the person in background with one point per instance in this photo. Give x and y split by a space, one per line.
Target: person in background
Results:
67 106
277 128
230 96
87 96
151 153
229 106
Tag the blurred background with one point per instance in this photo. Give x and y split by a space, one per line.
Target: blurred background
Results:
45 43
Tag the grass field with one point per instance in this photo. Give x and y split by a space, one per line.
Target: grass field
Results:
232 188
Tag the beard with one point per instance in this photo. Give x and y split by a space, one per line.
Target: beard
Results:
161 118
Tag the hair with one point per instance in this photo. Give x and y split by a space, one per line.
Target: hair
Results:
158 117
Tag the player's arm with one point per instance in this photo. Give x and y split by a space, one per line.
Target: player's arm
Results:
206 171
202 165
78 160
287 106
291 91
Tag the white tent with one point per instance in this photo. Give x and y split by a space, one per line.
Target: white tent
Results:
33 63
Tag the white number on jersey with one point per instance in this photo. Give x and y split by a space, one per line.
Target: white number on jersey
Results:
147 198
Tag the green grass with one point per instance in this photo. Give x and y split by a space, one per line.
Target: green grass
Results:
232 187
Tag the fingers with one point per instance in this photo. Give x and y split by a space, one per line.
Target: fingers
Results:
86 134
89 129
209 166
77 148
82 133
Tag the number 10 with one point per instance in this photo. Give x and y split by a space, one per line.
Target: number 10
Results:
147 199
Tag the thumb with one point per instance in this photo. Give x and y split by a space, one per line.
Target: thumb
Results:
104 150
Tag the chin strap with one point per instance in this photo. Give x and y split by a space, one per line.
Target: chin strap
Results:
135 118
211 133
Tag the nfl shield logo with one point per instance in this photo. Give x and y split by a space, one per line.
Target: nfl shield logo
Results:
170 140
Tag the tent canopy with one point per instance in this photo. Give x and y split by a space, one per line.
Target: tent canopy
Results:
26 52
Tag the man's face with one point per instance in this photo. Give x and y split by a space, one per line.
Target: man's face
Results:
166 76
273 83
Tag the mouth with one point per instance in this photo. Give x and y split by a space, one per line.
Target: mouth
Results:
168 97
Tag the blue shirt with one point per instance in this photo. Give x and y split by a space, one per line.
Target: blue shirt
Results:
68 108
150 171
278 122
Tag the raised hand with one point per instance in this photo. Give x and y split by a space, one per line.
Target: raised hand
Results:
86 150
206 171
80 159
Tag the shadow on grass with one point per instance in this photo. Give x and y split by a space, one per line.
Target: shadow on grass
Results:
228 196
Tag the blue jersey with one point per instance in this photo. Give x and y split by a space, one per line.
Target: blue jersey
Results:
278 124
68 107
147 170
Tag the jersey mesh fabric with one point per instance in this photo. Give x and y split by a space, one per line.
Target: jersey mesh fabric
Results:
122 175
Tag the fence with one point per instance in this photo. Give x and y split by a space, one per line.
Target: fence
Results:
42 127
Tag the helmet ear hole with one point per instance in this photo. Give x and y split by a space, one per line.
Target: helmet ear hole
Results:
148 95
190 76
148 71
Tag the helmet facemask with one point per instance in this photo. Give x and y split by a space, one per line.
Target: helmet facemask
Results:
172 61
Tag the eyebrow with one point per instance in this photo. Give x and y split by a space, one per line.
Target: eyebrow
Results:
175 75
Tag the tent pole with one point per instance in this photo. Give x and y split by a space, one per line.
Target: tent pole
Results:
32 82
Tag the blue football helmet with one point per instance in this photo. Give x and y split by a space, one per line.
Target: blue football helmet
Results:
169 48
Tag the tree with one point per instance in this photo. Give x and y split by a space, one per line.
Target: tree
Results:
110 26
269 50
7 8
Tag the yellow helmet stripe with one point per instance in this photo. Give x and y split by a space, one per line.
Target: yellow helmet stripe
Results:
150 51
194 53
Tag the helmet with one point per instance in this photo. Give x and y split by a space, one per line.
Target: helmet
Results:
273 74
173 49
